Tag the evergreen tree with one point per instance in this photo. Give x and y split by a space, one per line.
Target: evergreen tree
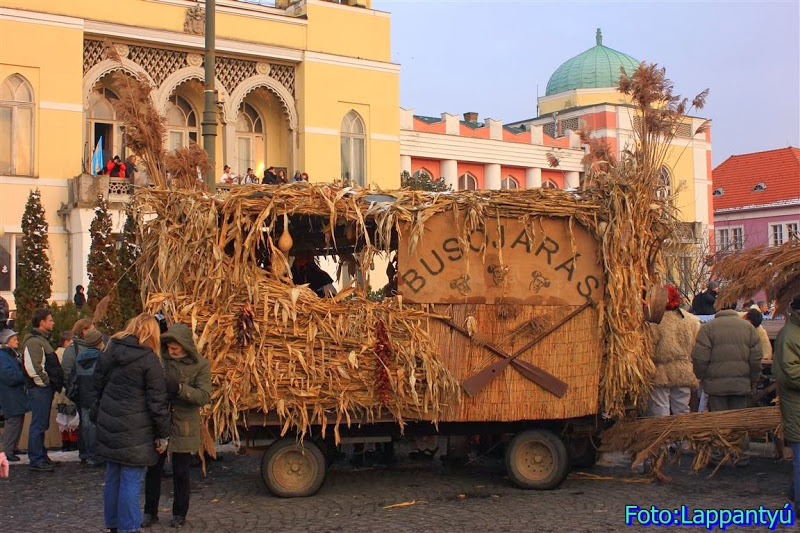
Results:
130 300
102 268
422 181
34 277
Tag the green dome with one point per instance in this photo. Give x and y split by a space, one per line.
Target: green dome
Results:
596 67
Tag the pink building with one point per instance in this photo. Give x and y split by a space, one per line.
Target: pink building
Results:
470 154
757 199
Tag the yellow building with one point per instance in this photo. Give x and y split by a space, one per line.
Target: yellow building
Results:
304 85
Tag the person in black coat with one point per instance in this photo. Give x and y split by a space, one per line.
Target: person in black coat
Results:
13 399
703 303
305 270
132 417
80 297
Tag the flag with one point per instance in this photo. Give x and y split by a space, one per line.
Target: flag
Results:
97 158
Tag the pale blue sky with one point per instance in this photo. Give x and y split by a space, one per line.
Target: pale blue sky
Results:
488 57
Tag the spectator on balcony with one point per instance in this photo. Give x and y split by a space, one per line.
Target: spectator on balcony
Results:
130 168
305 176
116 168
298 176
227 177
282 177
249 178
270 178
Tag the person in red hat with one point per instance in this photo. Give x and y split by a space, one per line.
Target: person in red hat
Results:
673 340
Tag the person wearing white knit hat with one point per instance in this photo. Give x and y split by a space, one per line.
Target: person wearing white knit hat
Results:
12 393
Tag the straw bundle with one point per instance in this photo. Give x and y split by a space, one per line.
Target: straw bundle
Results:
705 433
307 359
214 263
773 269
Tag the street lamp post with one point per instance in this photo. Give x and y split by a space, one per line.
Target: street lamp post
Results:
209 122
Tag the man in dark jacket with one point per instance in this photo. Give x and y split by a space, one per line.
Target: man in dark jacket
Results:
727 360
786 369
13 399
80 388
703 303
189 388
44 378
270 178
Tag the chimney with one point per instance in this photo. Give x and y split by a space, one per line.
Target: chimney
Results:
470 117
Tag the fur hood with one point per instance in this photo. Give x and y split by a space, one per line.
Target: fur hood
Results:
673 340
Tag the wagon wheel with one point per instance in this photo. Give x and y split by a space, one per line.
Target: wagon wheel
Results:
537 459
291 469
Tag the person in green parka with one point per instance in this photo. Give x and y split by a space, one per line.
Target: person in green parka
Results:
786 369
188 377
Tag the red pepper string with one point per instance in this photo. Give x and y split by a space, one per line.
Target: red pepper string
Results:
383 350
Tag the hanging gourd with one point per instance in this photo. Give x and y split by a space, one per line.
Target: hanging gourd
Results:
350 232
285 242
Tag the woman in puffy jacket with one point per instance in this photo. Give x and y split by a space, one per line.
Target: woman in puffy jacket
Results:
13 399
132 417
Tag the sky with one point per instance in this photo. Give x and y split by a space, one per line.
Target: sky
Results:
490 56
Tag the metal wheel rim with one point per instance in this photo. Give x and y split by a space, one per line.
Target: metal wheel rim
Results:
535 460
293 470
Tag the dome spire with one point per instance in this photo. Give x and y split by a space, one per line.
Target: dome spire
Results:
599 37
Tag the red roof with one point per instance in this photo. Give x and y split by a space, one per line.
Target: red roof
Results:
737 176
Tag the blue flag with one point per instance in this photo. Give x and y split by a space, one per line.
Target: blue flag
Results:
97 158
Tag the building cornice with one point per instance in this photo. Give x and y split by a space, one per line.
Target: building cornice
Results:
241 9
469 149
151 35
333 5
757 207
31 181
345 61
43 19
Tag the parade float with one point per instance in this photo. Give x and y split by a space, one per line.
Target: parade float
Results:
514 313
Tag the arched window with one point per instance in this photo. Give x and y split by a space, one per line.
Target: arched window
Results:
665 185
103 124
16 126
418 174
249 138
509 183
181 122
548 184
353 150
467 182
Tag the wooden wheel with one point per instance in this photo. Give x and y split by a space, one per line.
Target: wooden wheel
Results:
291 469
537 459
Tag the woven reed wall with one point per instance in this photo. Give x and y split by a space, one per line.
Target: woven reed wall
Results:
572 353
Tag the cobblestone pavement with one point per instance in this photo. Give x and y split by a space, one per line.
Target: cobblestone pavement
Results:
475 498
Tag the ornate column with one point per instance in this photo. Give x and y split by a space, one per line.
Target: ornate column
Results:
491 176
230 151
449 170
572 180
405 163
533 178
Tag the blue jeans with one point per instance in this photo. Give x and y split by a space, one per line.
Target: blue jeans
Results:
794 488
87 434
41 399
121 497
